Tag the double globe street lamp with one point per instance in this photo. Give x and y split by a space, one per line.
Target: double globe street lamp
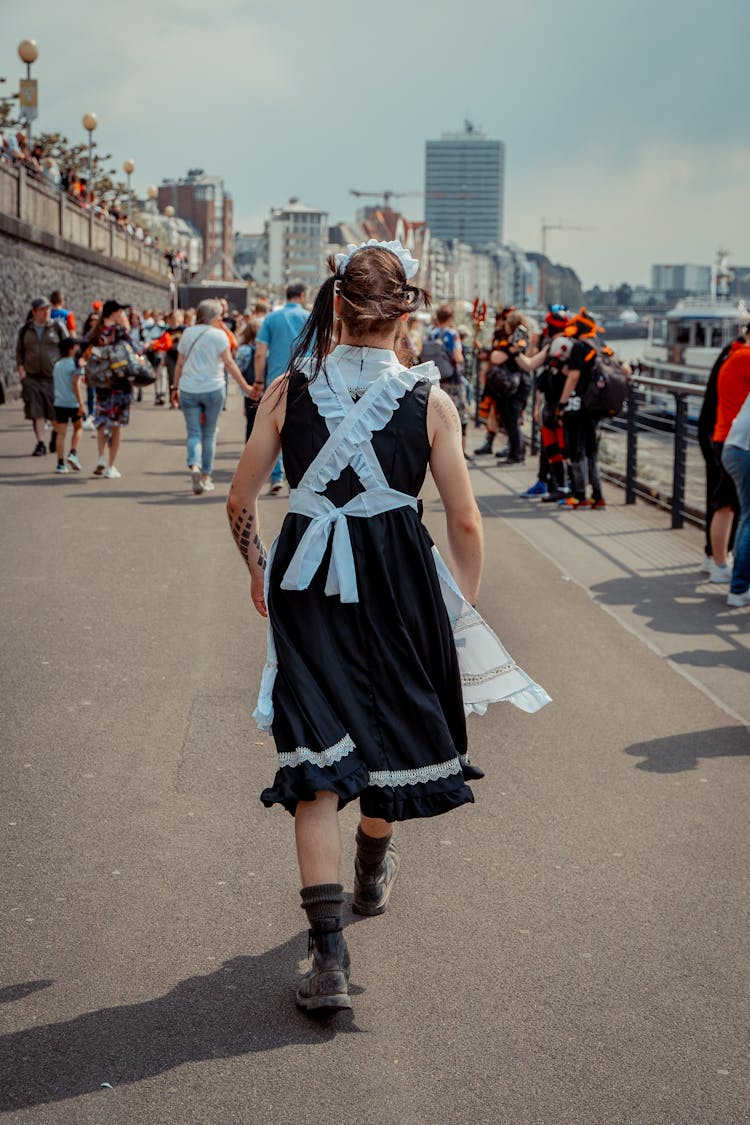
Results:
90 122
28 52
128 168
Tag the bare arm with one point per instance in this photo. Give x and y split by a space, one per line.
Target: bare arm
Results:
448 466
234 371
532 363
259 361
255 464
78 392
571 382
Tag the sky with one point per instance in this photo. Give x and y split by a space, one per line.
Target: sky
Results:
625 119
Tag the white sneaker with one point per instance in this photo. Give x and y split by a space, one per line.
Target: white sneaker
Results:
720 574
195 476
112 473
101 467
706 564
208 485
88 423
739 599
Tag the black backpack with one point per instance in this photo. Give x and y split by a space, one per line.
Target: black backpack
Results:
503 380
433 351
608 386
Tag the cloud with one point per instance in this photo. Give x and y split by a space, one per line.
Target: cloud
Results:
627 119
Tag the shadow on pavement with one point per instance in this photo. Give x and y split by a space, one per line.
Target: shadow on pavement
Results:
737 659
244 1007
684 751
679 601
19 991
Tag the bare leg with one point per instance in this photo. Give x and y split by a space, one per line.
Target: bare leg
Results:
316 829
374 827
114 444
101 440
60 428
721 529
38 424
77 430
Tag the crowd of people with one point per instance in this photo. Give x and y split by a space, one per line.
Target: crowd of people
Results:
545 370
44 167
185 355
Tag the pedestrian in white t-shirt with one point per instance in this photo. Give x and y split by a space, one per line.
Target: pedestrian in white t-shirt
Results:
199 389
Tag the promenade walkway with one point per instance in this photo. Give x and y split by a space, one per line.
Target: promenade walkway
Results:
572 948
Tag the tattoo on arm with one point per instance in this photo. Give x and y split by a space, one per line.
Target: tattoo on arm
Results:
447 412
248 542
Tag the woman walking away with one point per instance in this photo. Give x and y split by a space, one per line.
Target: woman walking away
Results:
362 687
204 353
112 409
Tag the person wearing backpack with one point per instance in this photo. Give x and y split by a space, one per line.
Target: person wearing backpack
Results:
442 346
579 355
37 352
508 383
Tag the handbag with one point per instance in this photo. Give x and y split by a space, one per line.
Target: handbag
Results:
125 363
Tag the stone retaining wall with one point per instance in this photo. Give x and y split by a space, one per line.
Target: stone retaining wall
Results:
30 266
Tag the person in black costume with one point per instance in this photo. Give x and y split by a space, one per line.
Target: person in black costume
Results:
367 698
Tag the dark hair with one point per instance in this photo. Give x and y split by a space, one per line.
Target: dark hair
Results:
250 331
443 314
295 291
67 346
56 297
374 294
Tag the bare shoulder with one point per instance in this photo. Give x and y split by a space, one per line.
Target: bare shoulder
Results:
273 401
442 415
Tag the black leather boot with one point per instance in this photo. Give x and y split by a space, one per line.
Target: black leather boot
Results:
326 984
375 869
487 447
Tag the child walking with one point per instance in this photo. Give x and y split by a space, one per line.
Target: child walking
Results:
69 404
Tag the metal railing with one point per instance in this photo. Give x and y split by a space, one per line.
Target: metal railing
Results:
662 412
651 449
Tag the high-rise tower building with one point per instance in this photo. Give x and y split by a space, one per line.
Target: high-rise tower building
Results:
464 183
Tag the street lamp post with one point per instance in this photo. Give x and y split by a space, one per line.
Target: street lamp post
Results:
28 52
90 122
128 168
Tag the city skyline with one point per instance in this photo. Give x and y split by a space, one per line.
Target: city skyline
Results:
625 131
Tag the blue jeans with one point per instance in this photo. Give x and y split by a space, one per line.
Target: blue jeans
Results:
737 463
201 435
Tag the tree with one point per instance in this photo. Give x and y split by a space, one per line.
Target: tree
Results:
76 159
624 294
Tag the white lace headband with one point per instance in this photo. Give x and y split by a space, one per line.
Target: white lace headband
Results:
411 265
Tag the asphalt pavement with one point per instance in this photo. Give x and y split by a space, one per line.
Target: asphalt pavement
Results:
572 948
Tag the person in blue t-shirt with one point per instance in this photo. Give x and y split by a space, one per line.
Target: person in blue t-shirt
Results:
67 379
274 345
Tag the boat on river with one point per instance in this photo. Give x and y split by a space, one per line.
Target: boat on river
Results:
693 333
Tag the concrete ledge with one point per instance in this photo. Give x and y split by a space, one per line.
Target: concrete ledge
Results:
24 232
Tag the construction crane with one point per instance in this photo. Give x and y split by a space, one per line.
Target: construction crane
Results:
560 225
385 196
542 270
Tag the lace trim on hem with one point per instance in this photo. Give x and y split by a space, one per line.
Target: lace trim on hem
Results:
322 758
394 778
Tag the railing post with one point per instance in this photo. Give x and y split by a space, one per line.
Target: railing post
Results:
631 463
680 458
21 193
